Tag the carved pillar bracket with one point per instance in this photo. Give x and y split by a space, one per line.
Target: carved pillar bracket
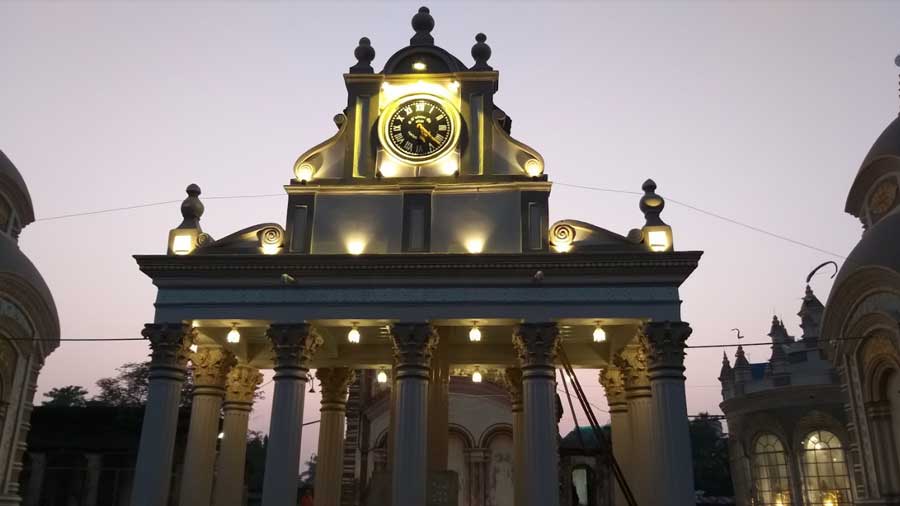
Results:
211 366
413 344
632 362
613 381
241 384
334 382
537 345
512 380
666 342
169 347
294 344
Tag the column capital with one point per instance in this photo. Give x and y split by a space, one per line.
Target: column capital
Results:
512 380
613 381
632 362
241 384
477 455
211 365
169 344
536 344
666 342
334 382
293 343
413 344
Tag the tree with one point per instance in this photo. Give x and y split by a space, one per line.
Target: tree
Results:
709 448
72 396
308 477
130 386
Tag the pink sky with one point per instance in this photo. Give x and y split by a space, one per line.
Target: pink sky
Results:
759 111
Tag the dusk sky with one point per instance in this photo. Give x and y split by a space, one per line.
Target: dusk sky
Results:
758 111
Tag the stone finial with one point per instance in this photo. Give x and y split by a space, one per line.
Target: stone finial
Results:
652 204
481 52
191 208
242 383
294 344
810 315
422 23
211 366
740 358
537 344
170 344
364 54
726 373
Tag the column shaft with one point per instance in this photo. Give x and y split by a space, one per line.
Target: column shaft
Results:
153 471
293 346
35 485
537 345
330 462
613 383
438 409
94 466
240 387
413 344
513 381
672 465
632 361
211 365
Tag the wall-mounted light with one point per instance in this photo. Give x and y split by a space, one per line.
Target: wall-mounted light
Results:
381 377
305 172
221 435
419 66
475 333
599 334
449 164
453 86
476 376
193 348
234 336
270 249
353 336
183 241
658 238
474 245
562 237
534 167
356 246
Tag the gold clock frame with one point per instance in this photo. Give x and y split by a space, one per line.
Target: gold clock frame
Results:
390 109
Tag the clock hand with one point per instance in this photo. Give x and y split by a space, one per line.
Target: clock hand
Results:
425 132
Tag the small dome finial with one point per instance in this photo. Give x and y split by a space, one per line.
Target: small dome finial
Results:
191 208
651 203
481 52
422 23
364 54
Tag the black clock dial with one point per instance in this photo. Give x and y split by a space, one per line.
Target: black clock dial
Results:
419 128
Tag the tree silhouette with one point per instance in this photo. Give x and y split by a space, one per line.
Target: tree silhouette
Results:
68 396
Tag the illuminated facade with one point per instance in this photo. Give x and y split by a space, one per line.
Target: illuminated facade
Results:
416 248
860 326
29 329
786 420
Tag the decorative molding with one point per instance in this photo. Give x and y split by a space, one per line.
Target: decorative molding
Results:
294 344
666 342
334 383
413 344
536 344
242 383
170 344
211 366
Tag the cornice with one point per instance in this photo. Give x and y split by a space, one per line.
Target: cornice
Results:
672 267
438 185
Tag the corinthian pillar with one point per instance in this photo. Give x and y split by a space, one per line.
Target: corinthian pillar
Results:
672 470
613 383
239 389
413 344
170 344
536 345
513 382
294 345
632 362
211 365
330 462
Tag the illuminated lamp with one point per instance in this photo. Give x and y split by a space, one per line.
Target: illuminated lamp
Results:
453 86
381 377
353 336
476 376
419 66
475 333
221 435
657 235
449 165
534 167
562 237
356 246
474 245
234 336
182 241
305 172
599 334
193 348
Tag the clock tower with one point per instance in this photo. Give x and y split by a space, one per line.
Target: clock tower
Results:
421 144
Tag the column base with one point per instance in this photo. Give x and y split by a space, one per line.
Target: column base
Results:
10 500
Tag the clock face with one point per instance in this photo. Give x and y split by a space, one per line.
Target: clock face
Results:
419 129
883 197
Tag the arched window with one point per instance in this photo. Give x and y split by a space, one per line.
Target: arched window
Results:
770 472
825 478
